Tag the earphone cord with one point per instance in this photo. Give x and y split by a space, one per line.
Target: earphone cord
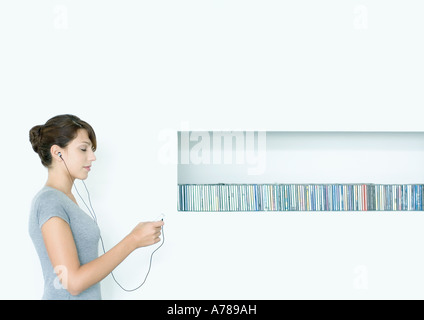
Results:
94 216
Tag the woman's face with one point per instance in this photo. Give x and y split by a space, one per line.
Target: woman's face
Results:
78 155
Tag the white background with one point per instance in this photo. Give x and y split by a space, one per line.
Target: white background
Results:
138 71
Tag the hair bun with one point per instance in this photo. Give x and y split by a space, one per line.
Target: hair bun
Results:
35 137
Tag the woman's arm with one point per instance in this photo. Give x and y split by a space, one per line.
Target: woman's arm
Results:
63 254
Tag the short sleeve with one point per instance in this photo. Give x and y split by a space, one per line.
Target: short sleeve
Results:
49 206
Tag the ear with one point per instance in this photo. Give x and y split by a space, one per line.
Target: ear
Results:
54 151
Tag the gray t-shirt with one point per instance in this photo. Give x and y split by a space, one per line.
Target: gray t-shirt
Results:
48 203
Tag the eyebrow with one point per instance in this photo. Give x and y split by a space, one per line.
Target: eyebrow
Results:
87 142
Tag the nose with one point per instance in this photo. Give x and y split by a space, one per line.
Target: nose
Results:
93 156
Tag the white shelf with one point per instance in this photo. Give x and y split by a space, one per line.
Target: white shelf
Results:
302 157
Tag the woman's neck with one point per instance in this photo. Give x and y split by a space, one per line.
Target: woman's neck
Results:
60 181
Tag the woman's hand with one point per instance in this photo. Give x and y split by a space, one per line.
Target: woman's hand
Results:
146 233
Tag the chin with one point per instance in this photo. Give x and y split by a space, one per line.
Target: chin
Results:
82 176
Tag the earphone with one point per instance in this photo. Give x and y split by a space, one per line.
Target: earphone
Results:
93 215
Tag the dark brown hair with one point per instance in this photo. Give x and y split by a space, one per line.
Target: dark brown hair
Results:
59 130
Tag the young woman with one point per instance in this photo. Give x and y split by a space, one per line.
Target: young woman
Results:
65 237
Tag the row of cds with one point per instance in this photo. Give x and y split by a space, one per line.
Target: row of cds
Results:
300 197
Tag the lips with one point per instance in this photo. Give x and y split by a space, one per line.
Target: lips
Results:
88 168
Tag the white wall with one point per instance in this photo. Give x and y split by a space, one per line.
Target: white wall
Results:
138 71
